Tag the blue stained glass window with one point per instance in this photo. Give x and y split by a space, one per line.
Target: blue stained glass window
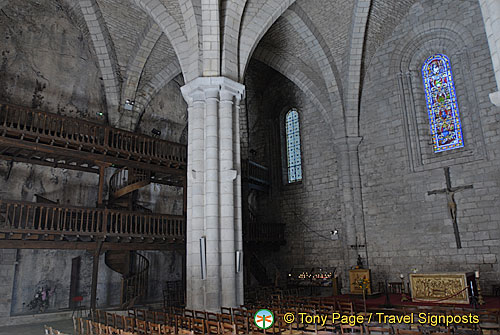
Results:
294 159
444 118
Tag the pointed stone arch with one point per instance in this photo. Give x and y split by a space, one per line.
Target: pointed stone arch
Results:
106 57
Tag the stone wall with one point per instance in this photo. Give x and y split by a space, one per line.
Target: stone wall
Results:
406 228
309 209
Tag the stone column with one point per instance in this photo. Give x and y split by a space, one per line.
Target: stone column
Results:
354 226
491 17
213 195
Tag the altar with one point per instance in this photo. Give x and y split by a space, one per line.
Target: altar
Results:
443 288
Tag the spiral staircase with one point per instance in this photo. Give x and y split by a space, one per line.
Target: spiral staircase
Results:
134 269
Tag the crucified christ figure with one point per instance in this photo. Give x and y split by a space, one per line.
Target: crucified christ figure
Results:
452 205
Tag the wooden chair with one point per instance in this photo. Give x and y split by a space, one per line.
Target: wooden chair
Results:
347 329
142 327
113 331
161 318
79 326
140 314
241 324
448 332
111 319
198 326
150 316
129 324
189 313
488 322
120 321
100 316
226 318
378 330
408 332
212 327
154 328
51 331
345 307
225 310
212 316
182 322
227 328
200 315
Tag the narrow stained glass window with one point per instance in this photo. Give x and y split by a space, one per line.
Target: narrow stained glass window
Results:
293 146
444 118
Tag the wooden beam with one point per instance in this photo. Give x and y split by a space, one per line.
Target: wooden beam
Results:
102 170
95 272
45 163
90 157
64 245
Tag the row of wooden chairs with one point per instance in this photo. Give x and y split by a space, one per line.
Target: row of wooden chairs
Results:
180 325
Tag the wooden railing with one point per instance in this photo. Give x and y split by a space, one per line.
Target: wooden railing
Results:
258 173
51 128
26 217
135 285
256 231
127 180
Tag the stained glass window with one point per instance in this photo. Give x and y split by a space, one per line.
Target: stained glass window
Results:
294 159
444 118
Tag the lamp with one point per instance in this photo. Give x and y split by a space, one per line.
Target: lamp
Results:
129 104
156 132
238 261
203 257
334 235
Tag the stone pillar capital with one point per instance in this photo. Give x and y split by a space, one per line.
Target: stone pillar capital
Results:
212 88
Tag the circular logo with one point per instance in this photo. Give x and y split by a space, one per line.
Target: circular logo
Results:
263 319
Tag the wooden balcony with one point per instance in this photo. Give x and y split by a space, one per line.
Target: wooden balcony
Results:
256 231
257 175
34 222
32 136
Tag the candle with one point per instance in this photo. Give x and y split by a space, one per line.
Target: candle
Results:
477 274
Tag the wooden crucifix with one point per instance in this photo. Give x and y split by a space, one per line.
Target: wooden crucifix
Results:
452 205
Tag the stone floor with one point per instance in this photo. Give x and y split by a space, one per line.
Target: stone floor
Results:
65 326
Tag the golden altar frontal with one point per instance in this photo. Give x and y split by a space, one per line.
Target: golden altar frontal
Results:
436 287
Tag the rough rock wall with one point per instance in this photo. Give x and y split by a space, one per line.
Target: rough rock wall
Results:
407 228
52 269
167 112
309 209
48 63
